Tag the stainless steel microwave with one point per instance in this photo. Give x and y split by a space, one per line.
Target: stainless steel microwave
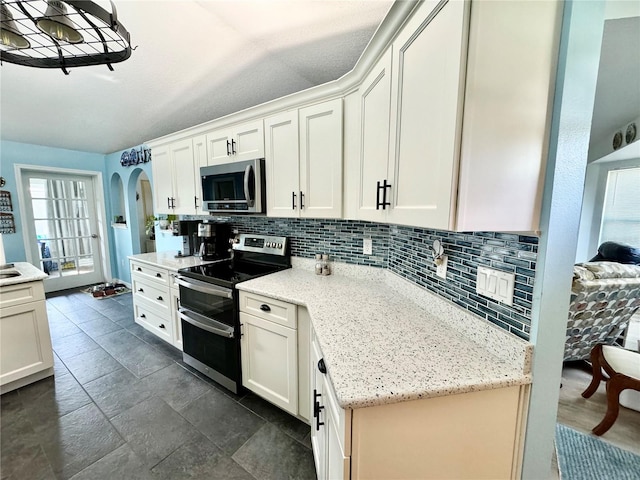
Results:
235 187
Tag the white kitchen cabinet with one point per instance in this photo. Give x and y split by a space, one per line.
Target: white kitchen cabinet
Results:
26 354
275 352
156 300
176 178
507 114
236 143
304 162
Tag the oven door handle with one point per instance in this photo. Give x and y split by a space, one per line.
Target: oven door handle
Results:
203 287
226 331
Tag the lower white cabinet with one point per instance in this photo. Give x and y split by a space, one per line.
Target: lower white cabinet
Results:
274 352
156 300
25 343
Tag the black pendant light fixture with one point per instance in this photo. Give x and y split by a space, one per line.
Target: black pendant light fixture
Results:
61 34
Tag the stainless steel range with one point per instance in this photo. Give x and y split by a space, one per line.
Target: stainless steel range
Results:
209 306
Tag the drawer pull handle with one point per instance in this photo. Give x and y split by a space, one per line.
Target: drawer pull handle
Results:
159 275
265 308
142 315
321 366
159 298
161 326
139 269
141 290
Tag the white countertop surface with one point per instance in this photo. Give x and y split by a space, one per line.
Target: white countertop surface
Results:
168 260
381 345
28 273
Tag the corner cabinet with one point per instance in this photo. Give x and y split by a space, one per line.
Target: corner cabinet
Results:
418 86
274 352
176 176
237 143
303 152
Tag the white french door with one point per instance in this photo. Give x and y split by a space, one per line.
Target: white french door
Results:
61 228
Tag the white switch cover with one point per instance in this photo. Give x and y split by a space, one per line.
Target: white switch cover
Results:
441 269
495 284
367 246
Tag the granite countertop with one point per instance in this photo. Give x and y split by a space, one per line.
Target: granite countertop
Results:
381 345
28 273
168 260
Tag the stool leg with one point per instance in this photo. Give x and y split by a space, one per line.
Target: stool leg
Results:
596 374
614 386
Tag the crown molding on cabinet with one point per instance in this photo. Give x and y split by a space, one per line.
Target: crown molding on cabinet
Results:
397 16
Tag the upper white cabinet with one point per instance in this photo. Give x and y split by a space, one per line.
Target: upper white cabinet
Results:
507 111
176 176
411 121
304 162
240 142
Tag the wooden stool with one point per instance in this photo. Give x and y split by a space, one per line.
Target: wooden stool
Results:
623 370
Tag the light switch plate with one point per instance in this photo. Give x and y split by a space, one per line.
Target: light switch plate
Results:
367 246
441 268
495 284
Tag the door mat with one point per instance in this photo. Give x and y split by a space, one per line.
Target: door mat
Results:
586 457
104 290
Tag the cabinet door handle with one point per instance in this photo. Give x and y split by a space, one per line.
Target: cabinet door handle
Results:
168 202
233 147
293 200
321 366
265 308
316 411
301 200
195 202
159 298
161 326
141 290
385 185
173 202
378 195
228 148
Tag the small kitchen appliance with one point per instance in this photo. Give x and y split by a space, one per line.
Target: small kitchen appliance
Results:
188 230
209 305
214 240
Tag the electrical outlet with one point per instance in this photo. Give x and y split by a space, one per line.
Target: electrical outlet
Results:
441 266
367 246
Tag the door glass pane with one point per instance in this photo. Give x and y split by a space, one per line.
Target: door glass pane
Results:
621 215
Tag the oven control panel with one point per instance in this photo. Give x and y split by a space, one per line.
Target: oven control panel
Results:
260 243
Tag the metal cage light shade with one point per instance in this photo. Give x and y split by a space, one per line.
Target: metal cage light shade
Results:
10 36
61 34
56 24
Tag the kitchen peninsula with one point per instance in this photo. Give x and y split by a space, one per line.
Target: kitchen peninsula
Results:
26 354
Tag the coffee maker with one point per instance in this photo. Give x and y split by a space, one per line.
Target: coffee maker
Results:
188 230
215 240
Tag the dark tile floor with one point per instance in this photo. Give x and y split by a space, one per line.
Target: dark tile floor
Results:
122 405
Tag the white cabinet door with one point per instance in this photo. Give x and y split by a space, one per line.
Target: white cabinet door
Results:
429 58
199 161
218 147
375 105
25 343
248 141
270 361
282 164
321 160
162 180
184 175
338 466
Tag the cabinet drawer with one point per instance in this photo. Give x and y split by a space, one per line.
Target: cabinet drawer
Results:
156 274
153 321
275 311
21 293
151 294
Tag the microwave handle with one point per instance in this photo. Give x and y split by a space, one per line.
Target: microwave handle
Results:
247 173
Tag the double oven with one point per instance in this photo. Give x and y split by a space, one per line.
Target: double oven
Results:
209 305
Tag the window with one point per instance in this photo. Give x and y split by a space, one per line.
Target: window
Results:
621 214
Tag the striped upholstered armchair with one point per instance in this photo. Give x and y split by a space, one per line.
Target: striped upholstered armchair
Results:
604 296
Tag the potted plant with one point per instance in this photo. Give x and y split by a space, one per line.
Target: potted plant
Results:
150 227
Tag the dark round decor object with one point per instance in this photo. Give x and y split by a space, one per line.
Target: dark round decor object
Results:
617 252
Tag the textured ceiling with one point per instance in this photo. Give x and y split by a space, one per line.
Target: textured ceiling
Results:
194 61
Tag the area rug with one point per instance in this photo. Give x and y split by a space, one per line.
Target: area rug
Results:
586 457
107 293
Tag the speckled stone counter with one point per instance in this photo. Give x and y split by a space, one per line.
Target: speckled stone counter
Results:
168 260
385 340
28 273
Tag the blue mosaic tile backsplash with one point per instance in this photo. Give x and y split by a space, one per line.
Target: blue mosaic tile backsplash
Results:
405 251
